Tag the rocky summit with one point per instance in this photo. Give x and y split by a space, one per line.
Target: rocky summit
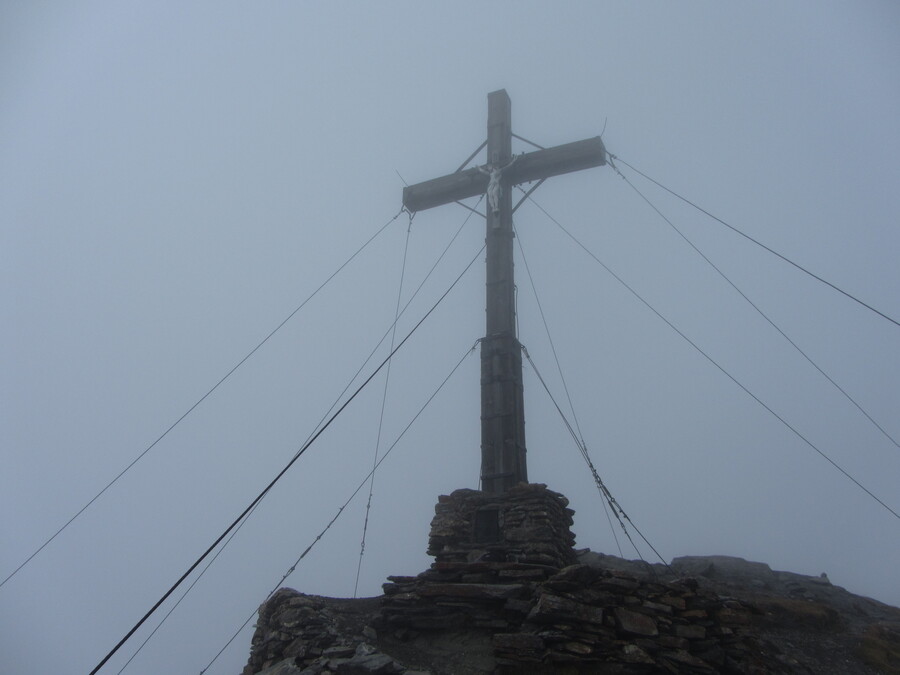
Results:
508 594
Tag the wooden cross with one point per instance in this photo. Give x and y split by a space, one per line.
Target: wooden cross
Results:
502 402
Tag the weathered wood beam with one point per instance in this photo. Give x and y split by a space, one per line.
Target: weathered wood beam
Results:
530 166
444 190
558 160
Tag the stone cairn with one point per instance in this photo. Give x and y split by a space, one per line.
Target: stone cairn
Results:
505 567
488 550
521 583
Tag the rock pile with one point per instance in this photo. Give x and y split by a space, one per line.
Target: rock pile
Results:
298 633
580 618
584 615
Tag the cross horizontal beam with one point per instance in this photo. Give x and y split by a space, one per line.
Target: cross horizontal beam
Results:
530 166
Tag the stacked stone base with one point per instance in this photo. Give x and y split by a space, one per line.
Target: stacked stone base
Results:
485 595
528 524
579 619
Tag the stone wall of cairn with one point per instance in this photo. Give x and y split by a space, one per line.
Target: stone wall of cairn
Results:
581 619
297 633
532 526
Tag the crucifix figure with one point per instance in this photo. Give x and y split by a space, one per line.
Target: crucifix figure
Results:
502 401
494 189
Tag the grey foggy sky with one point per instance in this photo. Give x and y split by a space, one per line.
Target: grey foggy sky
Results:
175 180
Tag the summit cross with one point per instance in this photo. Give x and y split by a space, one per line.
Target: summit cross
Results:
502 401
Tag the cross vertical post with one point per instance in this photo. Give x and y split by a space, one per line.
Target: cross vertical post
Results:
502 397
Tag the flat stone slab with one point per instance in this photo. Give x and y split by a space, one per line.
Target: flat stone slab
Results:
370 664
636 623
286 667
471 591
488 566
550 608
